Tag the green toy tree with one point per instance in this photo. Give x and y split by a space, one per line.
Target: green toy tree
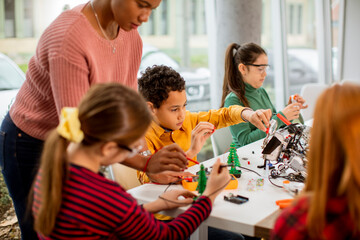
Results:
233 159
202 180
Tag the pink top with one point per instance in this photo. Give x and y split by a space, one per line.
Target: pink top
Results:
70 57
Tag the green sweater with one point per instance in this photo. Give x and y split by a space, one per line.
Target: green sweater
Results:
245 133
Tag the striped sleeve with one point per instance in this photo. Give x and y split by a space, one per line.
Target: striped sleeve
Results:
142 224
94 207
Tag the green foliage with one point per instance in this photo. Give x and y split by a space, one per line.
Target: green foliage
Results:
199 60
4 195
23 67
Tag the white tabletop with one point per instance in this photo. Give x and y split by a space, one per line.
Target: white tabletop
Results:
226 215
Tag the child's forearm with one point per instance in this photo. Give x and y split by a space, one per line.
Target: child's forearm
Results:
154 207
137 162
246 113
191 153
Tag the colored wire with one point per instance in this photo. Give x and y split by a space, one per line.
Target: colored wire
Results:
250 170
172 183
219 189
274 183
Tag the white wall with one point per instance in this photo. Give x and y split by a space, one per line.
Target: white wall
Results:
46 11
351 41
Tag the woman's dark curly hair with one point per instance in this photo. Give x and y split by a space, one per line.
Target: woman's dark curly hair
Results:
156 83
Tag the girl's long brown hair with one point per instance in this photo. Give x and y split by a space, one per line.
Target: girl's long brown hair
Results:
108 112
233 80
334 166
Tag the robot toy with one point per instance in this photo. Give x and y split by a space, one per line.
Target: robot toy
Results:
285 151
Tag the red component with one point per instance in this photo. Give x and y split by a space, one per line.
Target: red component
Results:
189 179
282 118
248 162
196 162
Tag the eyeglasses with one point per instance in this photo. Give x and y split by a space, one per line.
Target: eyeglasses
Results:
261 67
133 151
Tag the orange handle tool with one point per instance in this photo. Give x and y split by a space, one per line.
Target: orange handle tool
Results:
282 118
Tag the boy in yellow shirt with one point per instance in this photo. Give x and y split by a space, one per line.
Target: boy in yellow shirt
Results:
164 90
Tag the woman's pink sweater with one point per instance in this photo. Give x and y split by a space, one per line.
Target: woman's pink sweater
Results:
70 57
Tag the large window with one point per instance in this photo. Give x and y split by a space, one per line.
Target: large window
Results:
17 18
301 42
28 30
9 18
335 6
164 17
292 30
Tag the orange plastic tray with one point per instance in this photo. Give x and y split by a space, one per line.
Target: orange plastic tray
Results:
191 186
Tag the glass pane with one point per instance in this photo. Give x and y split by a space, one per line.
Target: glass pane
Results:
9 18
181 40
164 17
301 40
28 18
266 43
10 78
335 4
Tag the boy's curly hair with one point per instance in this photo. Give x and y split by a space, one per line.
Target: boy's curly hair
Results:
156 83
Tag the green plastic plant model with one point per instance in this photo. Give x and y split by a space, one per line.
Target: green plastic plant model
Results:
202 180
233 159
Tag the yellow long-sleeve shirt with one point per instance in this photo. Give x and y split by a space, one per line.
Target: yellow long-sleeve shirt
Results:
156 137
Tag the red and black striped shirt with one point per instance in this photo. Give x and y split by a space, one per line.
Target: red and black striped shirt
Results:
94 207
292 223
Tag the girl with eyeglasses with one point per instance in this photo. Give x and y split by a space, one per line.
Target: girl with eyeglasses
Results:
72 200
245 72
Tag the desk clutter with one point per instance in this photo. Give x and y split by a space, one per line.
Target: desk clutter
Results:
238 214
285 164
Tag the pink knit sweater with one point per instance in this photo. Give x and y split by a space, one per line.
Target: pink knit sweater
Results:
70 57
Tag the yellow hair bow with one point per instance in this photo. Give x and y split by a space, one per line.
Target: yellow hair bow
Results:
69 126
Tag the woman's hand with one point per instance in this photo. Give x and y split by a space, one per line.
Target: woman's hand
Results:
170 157
299 99
167 177
258 118
292 111
217 181
170 199
199 135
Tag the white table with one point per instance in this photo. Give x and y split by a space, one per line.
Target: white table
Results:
246 218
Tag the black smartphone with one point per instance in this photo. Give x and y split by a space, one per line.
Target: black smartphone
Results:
238 199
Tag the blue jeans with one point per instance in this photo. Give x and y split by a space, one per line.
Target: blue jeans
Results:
19 161
215 234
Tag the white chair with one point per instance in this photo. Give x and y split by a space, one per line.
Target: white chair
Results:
310 92
221 140
352 81
124 176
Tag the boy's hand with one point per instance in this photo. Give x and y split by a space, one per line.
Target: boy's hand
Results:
170 157
217 180
258 118
199 134
167 177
